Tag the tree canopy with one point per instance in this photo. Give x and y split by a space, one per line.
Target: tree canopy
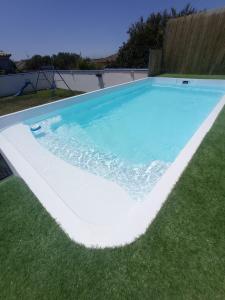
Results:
146 34
62 61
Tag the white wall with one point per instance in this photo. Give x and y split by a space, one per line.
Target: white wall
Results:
76 79
113 78
11 84
87 80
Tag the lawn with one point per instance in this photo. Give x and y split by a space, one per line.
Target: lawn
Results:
193 76
11 104
181 256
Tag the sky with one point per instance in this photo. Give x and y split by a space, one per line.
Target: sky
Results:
94 28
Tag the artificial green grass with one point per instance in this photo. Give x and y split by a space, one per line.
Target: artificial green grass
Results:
193 76
181 256
12 104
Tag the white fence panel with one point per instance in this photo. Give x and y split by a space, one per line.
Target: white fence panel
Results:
11 84
118 76
76 79
114 78
140 75
88 81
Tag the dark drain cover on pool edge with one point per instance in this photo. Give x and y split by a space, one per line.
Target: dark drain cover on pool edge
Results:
4 168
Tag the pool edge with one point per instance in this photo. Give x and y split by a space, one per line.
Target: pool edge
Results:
146 211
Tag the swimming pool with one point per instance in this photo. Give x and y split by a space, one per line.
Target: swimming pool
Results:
108 159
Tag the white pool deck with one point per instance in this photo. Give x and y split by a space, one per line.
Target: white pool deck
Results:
93 211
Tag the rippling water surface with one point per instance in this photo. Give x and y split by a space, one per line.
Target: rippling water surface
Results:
130 135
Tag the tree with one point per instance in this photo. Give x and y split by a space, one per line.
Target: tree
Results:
146 34
62 60
66 60
87 64
34 63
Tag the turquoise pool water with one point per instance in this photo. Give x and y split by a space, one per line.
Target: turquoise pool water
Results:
130 135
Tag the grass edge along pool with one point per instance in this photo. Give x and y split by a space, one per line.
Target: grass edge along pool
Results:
128 219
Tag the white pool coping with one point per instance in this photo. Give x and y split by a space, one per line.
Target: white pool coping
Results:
93 211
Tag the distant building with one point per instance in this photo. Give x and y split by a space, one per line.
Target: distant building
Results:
6 65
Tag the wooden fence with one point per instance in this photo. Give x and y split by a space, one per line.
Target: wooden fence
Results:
195 44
